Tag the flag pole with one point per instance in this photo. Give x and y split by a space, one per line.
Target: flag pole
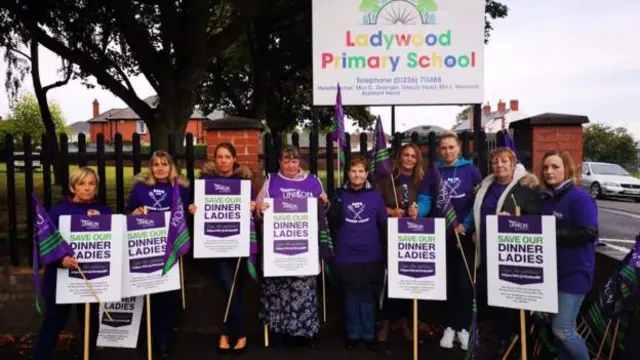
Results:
145 210
415 329
93 292
87 324
184 298
464 258
266 335
324 296
233 285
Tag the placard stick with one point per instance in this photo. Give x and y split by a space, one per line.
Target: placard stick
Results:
184 298
511 345
604 339
415 329
87 324
613 342
266 335
523 319
149 345
324 295
93 292
233 286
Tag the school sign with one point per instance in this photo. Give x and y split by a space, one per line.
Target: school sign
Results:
387 52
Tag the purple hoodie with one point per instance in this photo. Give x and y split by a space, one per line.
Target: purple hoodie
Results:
156 198
66 207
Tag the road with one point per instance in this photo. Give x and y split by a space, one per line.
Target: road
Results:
619 223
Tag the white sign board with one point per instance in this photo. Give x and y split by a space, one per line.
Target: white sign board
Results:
521 263
223 218
123 328
144 251
97 244
291 237
417 258
394 52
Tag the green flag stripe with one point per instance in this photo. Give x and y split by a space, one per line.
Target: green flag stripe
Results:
49 249
51 241
51 238
252 271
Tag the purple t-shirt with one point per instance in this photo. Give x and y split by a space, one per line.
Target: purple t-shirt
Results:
576 265
156 198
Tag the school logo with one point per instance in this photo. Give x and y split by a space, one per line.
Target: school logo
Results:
158 196
452 185
355 210
398 12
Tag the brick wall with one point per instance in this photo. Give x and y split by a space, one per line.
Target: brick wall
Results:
563 137
128 127
248 144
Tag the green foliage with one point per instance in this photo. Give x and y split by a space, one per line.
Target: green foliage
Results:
369 5
426 5
614 145
25 118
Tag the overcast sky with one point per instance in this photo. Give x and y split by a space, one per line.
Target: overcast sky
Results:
570 56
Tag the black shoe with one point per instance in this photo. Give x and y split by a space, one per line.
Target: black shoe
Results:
350 345
371 345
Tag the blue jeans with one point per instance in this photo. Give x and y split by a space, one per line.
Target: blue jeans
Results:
235 320
570 344
55 318
359 309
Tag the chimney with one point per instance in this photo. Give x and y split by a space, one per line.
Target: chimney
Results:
486 109
96 108
501 106
513 105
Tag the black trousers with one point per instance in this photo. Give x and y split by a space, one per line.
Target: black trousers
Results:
55 319
163 307
459 290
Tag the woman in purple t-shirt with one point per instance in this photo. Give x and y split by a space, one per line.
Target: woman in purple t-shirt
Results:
576 216
153 193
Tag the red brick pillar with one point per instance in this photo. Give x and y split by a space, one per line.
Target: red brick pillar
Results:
547 132
245 134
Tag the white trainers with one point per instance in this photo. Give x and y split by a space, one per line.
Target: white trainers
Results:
447 339
463 338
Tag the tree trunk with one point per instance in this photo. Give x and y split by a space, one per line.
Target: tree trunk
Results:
170 120
45 113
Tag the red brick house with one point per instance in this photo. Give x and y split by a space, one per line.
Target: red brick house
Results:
126 122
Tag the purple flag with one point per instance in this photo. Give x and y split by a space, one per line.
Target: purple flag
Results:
380 163
178 242
509 142
48 244
338 128
443 202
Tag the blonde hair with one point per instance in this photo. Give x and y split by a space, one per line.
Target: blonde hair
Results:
78 175
449 135
149 179
418 170
503 151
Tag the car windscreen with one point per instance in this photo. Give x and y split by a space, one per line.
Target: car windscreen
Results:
608 169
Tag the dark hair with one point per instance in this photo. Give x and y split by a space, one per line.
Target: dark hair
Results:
227 146
358 160
290 152
418 170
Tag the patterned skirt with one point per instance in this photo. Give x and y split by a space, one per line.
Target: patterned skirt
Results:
289 305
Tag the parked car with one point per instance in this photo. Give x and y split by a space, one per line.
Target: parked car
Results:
609 180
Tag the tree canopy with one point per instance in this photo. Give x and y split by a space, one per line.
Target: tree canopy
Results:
614 145
25 119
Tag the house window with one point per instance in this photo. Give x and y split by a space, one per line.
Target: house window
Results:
141 127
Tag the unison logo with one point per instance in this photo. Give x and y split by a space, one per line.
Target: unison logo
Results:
517 225
415 226
145 222
289 206
295 193
222 188
89 224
